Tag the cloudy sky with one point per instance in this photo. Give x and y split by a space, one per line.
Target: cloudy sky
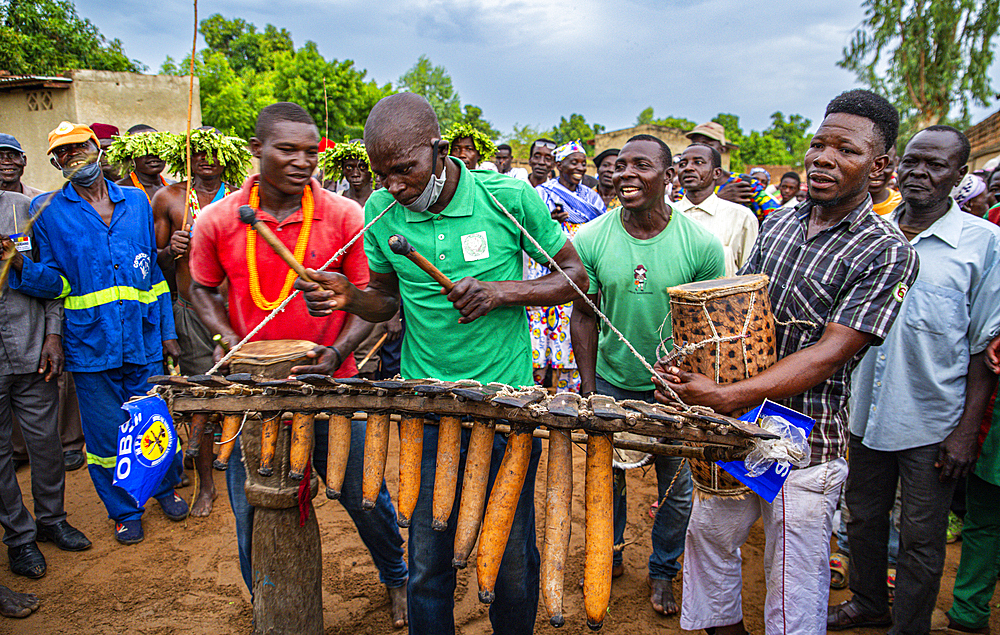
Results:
530 62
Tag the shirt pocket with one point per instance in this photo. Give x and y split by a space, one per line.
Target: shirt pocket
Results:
810 301
139 265
935 309
84 336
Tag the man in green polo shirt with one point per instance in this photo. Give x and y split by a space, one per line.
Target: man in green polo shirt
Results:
454 217
632 256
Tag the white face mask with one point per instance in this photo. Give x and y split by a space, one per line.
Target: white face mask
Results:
433 189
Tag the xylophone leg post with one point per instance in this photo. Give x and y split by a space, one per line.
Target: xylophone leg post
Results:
302 444
598 530
337 454
198 422
230 427
558 516
268 444
500 511
376 452
411 448
477 475
449 453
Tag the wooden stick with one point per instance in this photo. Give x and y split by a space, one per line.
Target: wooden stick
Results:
400 246
249 216
374 350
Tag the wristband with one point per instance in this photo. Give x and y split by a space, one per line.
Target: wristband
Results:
340 356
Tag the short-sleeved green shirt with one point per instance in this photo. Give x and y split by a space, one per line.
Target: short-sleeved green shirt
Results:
633 276
470 237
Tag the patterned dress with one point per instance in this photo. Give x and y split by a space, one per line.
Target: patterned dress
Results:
551 346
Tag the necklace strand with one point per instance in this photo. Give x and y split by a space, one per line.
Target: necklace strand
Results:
300 251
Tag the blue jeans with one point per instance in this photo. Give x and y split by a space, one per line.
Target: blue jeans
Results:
377 528
431 592
670 525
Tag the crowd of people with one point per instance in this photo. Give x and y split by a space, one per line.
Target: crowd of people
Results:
883 270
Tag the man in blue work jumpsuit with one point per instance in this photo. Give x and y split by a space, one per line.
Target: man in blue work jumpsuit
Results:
98 251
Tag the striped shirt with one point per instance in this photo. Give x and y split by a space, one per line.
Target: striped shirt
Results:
854 274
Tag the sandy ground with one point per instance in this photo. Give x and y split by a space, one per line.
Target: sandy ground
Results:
185 577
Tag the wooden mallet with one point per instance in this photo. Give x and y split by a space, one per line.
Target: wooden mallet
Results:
249 216
401 247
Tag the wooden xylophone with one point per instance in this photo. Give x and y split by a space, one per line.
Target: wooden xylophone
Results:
696 433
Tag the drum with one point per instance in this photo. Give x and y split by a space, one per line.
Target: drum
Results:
724 329
273 359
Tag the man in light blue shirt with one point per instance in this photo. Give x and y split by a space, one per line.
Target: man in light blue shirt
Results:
918 398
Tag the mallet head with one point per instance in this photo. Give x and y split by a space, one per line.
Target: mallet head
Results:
247 214
399 245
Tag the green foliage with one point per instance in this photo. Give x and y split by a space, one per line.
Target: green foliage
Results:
349 98
576 127
434 84
331 160
242 45
925 55
231 152
242 71
484 145
646 117
229 102
520 140
125 148
47 37
473 117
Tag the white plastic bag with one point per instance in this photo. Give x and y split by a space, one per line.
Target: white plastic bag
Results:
792 447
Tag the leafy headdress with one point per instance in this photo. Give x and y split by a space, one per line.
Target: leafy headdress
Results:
124 149
331 160
231 153
484 145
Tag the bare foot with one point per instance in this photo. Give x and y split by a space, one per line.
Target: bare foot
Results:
397 596
203 504
662 596
206 478
14 604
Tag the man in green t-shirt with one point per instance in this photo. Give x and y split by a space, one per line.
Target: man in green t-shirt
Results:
632 256
454 217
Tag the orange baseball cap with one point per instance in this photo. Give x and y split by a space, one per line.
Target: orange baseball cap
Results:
67 133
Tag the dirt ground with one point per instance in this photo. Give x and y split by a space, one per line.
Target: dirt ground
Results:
185 577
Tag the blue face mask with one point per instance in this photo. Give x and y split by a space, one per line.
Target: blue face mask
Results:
86 175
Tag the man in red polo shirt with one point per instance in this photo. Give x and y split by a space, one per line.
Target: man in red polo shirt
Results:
313 223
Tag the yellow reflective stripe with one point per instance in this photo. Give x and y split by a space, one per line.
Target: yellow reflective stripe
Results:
65 289
114 294
103 461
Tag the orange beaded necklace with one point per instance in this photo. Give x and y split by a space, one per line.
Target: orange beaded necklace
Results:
300 250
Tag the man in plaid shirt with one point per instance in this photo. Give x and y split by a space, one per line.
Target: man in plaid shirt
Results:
838 273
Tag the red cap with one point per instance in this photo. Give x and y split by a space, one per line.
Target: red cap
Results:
104 130
326 144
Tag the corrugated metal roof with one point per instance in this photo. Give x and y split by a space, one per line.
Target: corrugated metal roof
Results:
11 82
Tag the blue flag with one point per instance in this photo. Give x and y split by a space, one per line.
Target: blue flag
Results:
768 484
147 443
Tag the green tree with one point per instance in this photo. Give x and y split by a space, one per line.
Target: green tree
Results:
576 128
434 84
242 45
473 115
926 55
793 137
734 135
520 140
349 98
646 117
47 37
229 102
